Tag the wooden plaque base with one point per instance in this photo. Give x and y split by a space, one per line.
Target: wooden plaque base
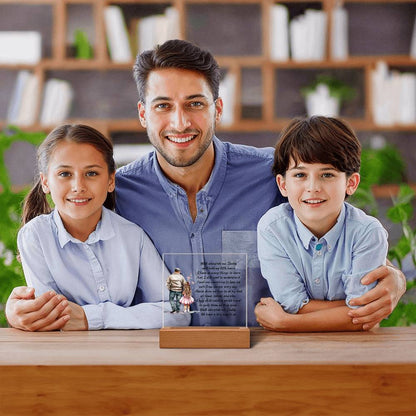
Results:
204 337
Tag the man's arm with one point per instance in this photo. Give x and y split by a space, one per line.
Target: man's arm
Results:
378 303
47 312
332 317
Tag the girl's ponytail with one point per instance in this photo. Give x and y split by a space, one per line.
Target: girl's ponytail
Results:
35 203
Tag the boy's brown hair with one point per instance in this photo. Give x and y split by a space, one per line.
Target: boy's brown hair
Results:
318 139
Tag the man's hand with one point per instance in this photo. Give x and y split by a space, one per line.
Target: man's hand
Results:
47 312
78 320
270 315
379 302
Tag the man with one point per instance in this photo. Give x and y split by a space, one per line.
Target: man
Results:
194 193
175 284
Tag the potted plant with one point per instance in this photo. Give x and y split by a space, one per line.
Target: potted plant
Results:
379 166
404 254
325 96
11 274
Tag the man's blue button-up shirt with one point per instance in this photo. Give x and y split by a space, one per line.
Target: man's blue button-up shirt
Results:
240 190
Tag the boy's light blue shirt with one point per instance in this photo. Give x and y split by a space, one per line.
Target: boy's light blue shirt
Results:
116 264
299 267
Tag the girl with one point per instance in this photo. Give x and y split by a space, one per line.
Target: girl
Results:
187 300
99 261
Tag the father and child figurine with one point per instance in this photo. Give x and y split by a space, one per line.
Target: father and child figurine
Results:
180 292
92 261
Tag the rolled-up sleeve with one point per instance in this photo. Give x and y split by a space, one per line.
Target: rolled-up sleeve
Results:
285 282
369 252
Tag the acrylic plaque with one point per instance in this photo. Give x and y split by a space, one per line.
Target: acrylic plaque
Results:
217 284
212 290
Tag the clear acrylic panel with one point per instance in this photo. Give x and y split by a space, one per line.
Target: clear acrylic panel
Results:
217 283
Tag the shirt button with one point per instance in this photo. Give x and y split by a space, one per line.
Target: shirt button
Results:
318 246
317 281
101 288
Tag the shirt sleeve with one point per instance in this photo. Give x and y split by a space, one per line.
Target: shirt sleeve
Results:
147 315
152 309
369 252
285 283
35 267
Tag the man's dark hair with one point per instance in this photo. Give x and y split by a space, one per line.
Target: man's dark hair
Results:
179 54
318 139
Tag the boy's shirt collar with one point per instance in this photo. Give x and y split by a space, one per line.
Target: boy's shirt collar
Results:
331 237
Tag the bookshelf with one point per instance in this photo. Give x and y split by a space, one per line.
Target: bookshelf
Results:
104 93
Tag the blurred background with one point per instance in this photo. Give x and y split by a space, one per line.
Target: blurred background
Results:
70 61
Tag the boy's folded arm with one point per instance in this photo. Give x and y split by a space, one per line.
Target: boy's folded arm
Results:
272 316
316 305
330 319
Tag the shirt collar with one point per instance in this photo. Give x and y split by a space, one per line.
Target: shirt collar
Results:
103 231
331 237
214 184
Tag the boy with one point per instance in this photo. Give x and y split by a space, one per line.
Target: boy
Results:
315 249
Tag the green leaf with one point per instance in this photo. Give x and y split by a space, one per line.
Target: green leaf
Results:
363 198
399 251
82 45
403 315
400 213
406 194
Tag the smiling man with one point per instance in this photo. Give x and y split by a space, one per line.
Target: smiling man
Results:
196 194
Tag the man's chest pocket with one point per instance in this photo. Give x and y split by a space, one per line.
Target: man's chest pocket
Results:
242 242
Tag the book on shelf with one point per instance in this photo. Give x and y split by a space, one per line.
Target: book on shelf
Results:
308 36
413 42
20 47
23 106
279 33
17 96
57 100
227 92
156 29
393 96
117 35
339 34
407 113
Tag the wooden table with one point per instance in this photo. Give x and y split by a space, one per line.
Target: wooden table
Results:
125 373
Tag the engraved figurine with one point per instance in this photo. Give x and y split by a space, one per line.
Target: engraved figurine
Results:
187 300
175 283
